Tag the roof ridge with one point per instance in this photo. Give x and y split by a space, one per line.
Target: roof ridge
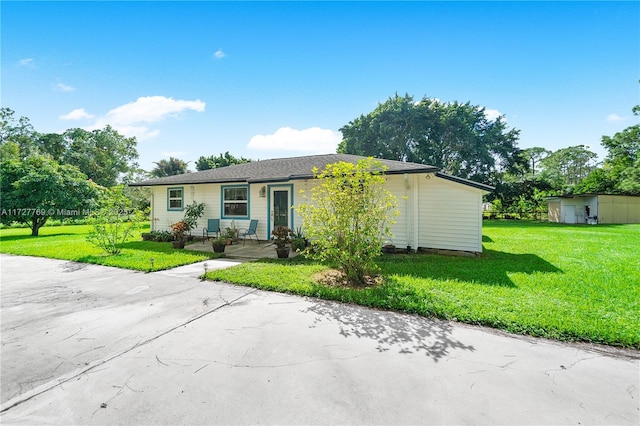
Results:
279 169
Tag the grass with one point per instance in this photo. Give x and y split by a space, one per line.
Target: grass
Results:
572 283
69 243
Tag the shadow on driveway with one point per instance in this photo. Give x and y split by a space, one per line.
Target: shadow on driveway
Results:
407 334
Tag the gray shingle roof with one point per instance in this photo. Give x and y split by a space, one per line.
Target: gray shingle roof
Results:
278 170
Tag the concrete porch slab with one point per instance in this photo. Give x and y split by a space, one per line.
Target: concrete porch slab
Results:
250 250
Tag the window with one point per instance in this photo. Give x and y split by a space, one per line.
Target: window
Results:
235 201
175 198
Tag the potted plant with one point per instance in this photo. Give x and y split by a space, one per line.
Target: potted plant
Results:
192 213
219 243
179 229
230 235
388 247
281 236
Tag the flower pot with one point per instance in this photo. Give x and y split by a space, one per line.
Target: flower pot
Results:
283 253
218 247
178 244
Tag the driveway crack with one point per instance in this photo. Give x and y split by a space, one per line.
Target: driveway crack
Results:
52 385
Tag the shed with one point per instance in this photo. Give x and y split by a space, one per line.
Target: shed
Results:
594 208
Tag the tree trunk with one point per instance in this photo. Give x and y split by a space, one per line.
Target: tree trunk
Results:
37 222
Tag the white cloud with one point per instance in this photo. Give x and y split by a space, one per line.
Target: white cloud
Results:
615 118
27 62
141 133
219 54
492 114
150 109
312 141
61 87
76 114
130 119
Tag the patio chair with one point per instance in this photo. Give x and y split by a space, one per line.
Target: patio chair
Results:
213 227
244 233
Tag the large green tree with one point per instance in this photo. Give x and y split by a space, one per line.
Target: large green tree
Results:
103 155
140 196
620 172
457 137
568 167
37 188
222 160
53 144
623 159
534 156
17 136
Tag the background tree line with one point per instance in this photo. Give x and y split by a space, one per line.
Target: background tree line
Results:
462 140
53 171
66 176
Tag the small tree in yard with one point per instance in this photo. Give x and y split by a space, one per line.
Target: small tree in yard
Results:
349 217
192 213
37 188
114 222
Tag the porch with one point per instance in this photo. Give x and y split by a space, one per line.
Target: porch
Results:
250 250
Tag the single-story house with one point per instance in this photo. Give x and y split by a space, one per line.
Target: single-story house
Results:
437 211
594 208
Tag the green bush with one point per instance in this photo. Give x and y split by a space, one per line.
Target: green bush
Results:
112 225
349 216
159 236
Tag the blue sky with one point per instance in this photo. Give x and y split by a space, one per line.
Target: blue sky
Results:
266 80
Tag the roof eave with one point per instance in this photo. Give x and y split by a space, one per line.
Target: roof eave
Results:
412 171
477 185
202 182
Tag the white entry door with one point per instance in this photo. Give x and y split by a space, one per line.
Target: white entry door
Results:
569 214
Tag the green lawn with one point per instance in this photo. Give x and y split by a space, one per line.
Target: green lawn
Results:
557 281
69 243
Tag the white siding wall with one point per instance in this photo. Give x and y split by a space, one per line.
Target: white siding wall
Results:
395 184
450 215
300 198
209 194
401 230
258 210
434 212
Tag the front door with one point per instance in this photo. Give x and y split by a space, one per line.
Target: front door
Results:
569 214
280 208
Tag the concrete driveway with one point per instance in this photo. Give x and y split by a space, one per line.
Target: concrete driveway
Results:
84 344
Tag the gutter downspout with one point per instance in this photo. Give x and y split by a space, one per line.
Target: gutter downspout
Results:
416 211
408 221
153 208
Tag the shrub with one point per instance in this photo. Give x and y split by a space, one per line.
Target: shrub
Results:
192 213
349 217
112 225
162 236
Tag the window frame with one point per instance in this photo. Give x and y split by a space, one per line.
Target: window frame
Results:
181 198
222 201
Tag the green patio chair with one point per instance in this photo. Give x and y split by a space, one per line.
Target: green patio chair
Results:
244 233
213 227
